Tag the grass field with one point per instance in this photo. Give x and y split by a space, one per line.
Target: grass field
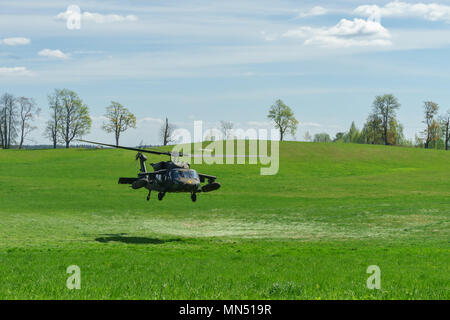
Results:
310 232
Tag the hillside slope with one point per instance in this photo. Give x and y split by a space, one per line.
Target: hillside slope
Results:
308 232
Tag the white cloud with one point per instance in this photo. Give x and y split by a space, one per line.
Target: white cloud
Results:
98 17
15 71
428 11
347 33
53 54
17 41
358 27
315 11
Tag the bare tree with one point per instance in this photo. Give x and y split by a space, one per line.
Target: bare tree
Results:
166 132
27 111
55 104
74 119
8 111
430 109
119 120
226 127
283 117
384 108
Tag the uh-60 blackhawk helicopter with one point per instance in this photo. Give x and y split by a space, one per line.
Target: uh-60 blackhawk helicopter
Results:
168 176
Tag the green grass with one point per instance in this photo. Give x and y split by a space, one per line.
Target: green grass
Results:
310 232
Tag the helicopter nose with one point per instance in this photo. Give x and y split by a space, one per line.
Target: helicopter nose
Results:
191 184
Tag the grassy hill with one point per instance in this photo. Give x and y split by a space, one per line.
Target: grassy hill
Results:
309 232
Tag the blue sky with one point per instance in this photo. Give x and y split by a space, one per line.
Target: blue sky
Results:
229 60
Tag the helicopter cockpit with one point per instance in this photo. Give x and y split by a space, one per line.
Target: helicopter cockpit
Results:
180 174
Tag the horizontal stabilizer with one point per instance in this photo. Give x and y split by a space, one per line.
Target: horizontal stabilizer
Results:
127 180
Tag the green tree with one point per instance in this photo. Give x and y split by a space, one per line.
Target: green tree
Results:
339 137
384 108
431 132
395 133
119 118
445 128
353 135
372 130
322 137
283 117
74 119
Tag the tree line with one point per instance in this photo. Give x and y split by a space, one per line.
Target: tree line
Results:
381 126
70 119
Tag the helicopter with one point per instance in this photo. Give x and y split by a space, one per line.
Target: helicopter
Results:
167 176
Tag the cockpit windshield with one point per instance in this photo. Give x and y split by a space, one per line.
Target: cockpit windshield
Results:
187 174
193 174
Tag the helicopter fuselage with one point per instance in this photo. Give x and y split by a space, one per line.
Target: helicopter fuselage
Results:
175 180
167 176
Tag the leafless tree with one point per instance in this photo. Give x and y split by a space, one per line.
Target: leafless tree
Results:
27 112
8 117
226 127
55 104
166 132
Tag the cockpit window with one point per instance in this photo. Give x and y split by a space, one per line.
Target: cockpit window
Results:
177 174
193 174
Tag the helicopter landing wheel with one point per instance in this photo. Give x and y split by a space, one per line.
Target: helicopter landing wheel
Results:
148 196
161 195
193 197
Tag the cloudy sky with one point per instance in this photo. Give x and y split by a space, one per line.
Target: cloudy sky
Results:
228 60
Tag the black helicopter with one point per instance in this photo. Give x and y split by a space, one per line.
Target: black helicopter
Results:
168 176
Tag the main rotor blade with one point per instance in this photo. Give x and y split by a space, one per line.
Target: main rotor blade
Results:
128 148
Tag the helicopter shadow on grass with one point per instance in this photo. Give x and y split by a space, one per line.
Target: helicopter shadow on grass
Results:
122 237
